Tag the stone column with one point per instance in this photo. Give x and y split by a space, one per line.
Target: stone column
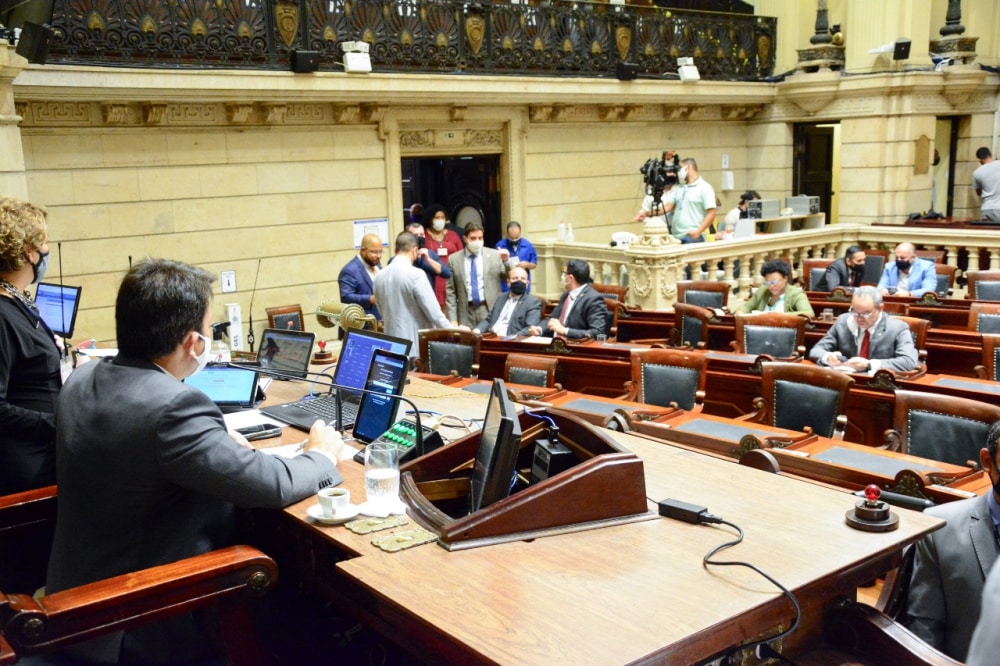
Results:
13 180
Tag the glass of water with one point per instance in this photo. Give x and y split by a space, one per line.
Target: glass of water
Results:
382 474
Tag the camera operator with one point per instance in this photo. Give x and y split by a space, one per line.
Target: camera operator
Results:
659 176
692 203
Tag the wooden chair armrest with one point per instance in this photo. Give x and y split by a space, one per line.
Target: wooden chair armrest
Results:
54 621
758 413
418 365
30 506
840 426
653 414
981 372
631 391
893 440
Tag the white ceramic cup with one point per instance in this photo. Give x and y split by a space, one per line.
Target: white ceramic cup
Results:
333 501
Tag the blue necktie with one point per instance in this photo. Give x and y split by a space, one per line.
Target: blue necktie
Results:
474 279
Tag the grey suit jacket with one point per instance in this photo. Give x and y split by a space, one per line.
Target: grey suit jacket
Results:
986 640
837 275
527 312
407 302
148 474
891 343
457 298
949 573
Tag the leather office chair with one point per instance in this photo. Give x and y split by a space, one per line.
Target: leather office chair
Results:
983 285
935 256
804 397
611 319
611 291
945 278
285 318
667 378
774 334
531 370
918 329
940 427
984 318
691 326
813 271
874 265
223 580
704 293
990 369
448 351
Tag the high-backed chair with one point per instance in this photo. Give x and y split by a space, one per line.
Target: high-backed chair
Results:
704 293
531 370
804 397
615 291
775 334
611 320
918 329
448 351
984 318
874 264
813 271
940 427
222 580
935 256
990 369
983 285
691 325
945 278
667 378
285 318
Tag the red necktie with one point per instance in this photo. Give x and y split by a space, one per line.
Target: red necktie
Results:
866 343
565 310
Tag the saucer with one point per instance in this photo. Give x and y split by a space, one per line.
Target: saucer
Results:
316 513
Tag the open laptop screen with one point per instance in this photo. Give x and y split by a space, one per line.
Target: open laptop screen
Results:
287 352
356 355
58 305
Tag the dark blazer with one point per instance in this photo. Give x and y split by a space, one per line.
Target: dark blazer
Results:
837 275
527 312
949 574
356 286
148 474
588 316
891 343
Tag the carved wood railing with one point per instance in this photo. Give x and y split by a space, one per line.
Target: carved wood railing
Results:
496 38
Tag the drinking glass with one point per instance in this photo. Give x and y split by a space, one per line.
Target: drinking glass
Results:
381 473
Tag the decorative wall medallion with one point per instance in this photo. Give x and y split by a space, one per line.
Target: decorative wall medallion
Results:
286 18
640 278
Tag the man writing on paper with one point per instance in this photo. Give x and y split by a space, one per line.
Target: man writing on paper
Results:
866 339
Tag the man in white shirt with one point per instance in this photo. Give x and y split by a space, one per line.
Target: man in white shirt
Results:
515 310
986 181
692 203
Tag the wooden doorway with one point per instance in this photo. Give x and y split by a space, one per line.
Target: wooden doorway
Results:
813 171
467 187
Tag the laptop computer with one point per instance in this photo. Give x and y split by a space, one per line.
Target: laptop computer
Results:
286 352
351 371
232 389
58 305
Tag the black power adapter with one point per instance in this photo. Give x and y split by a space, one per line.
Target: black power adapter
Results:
688 513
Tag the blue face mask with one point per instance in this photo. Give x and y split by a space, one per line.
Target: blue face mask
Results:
42 267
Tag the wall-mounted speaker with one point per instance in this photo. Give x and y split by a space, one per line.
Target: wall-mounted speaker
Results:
901 51
627 71
303 62
34 42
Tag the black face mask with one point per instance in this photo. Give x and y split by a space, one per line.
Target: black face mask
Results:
420 242
903 264
518 288
860 268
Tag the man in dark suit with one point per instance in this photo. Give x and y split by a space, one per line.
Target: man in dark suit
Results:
357 276
477 273
147 471
951 565
581 311
866 339
515 310
847 271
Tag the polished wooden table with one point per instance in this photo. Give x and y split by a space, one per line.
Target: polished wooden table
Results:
623 594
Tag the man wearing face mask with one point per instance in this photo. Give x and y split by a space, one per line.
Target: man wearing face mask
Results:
427 260
951 564
515 311
692 203
476 275
356 277
147 471
517 250
848 271
581 311
909 275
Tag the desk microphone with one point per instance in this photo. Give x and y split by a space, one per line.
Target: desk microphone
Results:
250 337
335 390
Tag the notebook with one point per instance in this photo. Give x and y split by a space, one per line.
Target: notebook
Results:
351 371
231 388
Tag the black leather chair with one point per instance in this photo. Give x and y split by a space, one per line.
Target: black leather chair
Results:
940 427
983 285
774 334
813 271
874 264
803 397
984 318
945 278
691 325
667 378
448 351
704 293
531 370
990 369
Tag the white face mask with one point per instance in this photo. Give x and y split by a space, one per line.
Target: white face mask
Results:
682 174
474 246
437 225
205 356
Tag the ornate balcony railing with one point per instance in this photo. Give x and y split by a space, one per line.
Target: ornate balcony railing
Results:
581 39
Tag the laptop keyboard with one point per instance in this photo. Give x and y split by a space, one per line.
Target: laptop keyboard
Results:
326 408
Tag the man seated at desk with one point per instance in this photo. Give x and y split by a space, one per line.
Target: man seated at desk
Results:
951 565
515 311
847 271
865 339
909 275
147 471
581 311
776 295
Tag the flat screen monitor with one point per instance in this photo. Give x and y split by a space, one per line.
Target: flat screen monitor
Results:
58 305
287 352
377 412
496 457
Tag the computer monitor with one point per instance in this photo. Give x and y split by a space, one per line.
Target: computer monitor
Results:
58 305
496 457
287 352
377 412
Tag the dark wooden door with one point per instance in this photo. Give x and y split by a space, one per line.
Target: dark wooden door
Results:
813 165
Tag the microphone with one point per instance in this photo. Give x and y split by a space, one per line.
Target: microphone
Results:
64 352
335 389
250 338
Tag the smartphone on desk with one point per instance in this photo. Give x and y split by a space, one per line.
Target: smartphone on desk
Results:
261 431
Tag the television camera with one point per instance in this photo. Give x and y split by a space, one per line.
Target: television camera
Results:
659 174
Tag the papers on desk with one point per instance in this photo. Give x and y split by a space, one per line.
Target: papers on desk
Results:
249 417
536 340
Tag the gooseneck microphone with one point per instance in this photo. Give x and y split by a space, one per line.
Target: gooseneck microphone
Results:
250 337
336 389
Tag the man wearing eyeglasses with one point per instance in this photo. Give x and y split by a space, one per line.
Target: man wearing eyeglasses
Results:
866 339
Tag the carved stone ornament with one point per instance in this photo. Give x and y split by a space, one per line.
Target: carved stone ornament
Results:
538 113
115 114
960 83
623 40
676 112
457 113
475 30
239 114
274 114
372 112
153 114
416 139
286 18
483 138
741 112
344 113
609 112
641 280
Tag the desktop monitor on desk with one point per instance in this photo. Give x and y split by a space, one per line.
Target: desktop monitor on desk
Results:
496 457
58 305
